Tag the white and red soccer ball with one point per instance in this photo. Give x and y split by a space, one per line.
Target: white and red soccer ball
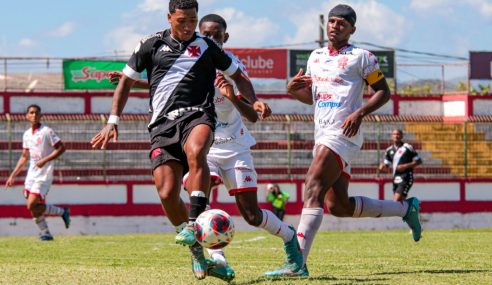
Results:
214 229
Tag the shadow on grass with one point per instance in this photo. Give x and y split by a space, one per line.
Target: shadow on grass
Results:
269 280
442 271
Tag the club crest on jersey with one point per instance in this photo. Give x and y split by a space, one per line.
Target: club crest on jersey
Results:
342 62
194 51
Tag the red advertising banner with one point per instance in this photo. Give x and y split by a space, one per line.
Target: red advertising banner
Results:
481 65
263 63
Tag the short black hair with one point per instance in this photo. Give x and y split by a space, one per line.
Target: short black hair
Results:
33 106
182 4
213 18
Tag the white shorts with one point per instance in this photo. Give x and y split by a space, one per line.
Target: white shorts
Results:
38 188
345 151
236 172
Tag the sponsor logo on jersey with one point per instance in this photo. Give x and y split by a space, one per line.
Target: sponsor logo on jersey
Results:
219 100
219 141
221 125
325 100
335 80
325 122
248 178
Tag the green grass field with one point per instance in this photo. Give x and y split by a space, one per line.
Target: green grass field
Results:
355 257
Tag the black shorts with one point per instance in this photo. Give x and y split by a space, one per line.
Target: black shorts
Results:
167 139
402 183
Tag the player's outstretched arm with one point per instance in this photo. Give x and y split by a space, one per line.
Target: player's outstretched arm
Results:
382 94
110 131
300 88
227 90
115 76
20 165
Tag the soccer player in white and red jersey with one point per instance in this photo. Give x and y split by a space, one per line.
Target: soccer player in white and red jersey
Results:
334 82
40 146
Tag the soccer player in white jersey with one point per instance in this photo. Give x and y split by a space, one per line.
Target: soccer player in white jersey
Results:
230 158
40 146
334 82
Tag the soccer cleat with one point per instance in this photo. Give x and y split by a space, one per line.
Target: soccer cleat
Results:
220 270
412 218
293 251
287 271
198 262
187 235
45 237
66 217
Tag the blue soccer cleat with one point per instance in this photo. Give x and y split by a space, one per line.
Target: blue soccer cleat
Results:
287 271
187 235
220 270
45 237
412 218
293 252
66 217
198 262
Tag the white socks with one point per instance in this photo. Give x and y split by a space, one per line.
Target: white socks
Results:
52 210
42 225
311 219
275 226
367 207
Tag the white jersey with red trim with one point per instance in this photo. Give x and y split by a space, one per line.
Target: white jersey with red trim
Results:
40 144
338 83
231 135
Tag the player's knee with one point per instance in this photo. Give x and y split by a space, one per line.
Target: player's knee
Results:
338 210
253 218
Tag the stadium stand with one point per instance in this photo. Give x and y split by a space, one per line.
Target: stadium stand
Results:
283 149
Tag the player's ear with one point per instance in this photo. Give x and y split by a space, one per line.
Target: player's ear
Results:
353 30
226 37
169 18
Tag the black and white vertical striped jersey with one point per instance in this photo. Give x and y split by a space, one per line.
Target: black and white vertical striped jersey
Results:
400 155
181 74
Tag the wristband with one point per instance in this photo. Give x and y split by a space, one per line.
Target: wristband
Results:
113 119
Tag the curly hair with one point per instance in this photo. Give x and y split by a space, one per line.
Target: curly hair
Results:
182 4
215 19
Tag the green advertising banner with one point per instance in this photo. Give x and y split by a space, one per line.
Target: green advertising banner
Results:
299 58
89 74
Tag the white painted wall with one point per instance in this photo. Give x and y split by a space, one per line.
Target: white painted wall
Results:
134 105
55 105
429 191
482 107
421 108
478 192
454 108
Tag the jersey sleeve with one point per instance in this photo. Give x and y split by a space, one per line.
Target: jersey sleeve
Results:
139 59
370 70
220 59
387 157
53 137
415 155
24 141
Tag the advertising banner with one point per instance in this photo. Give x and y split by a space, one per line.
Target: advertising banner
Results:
481 65
89 74
298 59
263 63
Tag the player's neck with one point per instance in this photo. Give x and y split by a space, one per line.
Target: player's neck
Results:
35 126
336 46
398 144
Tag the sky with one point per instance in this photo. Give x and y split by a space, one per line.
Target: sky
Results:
60 28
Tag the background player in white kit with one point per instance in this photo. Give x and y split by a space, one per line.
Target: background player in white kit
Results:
334 82
40 146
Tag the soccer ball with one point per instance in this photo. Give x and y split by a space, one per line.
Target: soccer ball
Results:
214 229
